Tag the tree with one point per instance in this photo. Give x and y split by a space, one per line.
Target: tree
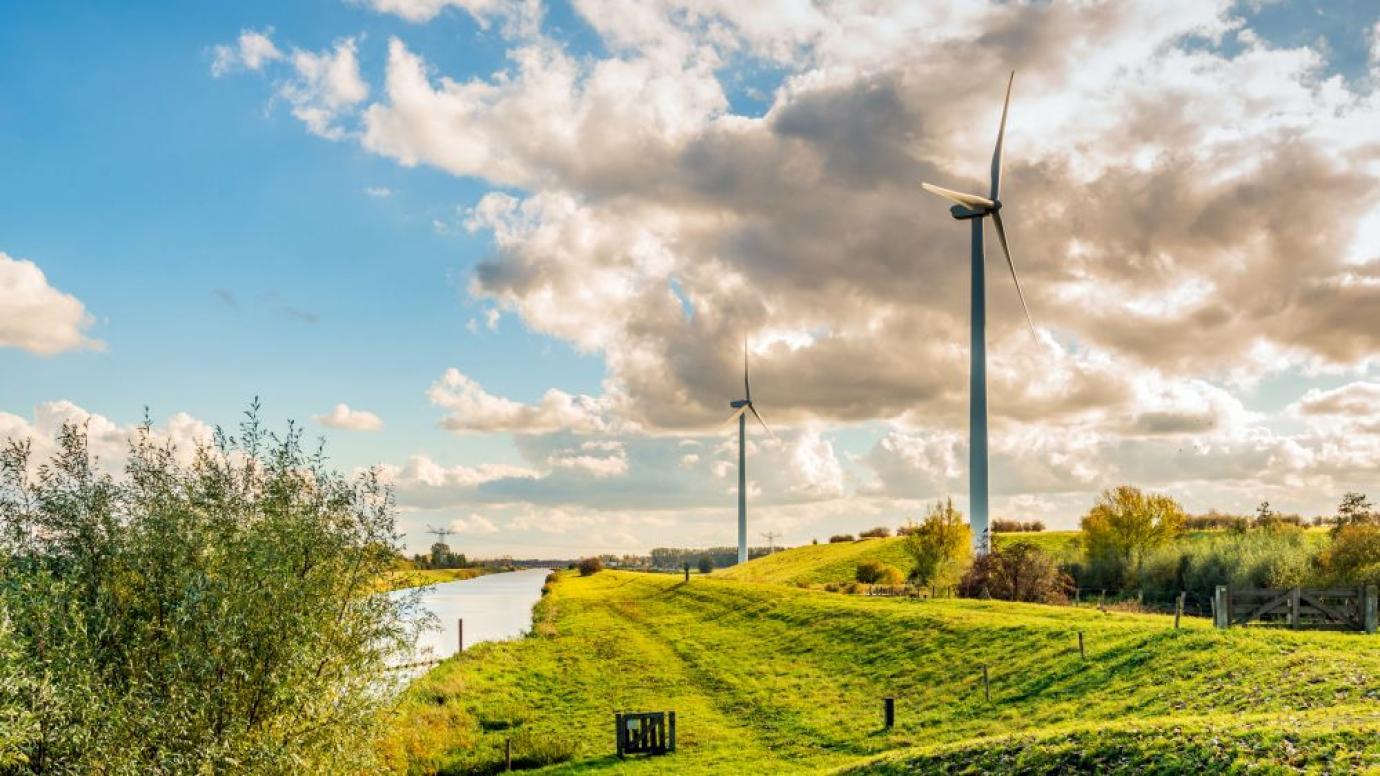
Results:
1020 571
590 566
706 564
1355 509
939 546
206 611
1353 556
1123 525
880 532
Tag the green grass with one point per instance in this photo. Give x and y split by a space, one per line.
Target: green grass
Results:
772 679
405 578
820 564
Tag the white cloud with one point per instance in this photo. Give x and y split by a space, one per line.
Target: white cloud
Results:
35 316
599 459
107 440
327 85
518 17
474 524
250 52
341 416
472 409
378 192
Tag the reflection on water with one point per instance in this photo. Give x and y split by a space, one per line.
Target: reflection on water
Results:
494 607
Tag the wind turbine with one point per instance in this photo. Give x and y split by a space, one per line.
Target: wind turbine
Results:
976 208
742 407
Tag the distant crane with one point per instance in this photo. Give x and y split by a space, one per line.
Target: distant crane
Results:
771 537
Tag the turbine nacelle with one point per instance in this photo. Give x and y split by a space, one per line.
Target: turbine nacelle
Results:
740 403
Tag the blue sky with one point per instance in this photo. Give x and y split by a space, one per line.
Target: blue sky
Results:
224 251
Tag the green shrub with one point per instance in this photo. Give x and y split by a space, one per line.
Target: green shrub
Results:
1353 557
869 571
210 615
1121 528
706 564
1258 558
840 538
940 546
880 532
590 566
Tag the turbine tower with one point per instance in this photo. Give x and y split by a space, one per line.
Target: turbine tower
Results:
742 407
976 209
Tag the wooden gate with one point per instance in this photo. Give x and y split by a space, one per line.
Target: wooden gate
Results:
1348 608
652 732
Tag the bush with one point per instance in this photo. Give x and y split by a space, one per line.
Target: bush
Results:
1273 557
590 566
880 532
940 546
1353 557
840 538
1020 571
875 572
1122 527
706 564
207 611
1001 525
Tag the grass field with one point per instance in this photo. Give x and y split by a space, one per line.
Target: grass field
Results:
773 679
405 578
820 564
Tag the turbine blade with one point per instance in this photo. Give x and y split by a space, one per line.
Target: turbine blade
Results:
763 422
1001 235
747 389
970 201
735 415
1001 134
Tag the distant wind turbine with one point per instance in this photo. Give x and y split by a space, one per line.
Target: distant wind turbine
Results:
742 407
975 208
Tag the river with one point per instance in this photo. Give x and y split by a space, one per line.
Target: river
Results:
494 607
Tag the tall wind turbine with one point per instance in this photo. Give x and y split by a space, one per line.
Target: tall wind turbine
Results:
741 408
976 208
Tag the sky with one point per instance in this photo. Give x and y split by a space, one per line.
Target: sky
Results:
508 251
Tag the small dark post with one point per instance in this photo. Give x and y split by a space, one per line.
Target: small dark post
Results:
1368 615
986 685
687 571
671 734
889 712
508 755
460 634
1179 609
1082 655
618 733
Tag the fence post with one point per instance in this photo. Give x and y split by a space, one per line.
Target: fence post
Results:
1179 609
671 734
687 571
618 733
1219 608
1294 608
1368 610
508 754
986 685
888 712
460 635
1082 655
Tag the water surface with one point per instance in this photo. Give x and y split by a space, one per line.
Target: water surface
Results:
494 607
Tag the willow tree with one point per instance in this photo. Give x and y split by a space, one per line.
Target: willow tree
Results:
203 610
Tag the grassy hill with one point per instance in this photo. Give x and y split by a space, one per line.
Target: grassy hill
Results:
819 564
772 679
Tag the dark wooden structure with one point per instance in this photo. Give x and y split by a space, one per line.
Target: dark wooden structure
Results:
652 732
1300 608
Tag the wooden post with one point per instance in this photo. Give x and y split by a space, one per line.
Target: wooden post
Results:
508 755
1179 609
1082 655
671 734
986 685
1294 608
618 733
687 571
460 635
1220 618
1368 609
889 712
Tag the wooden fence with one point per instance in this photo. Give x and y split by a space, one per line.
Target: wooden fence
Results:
1347 608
